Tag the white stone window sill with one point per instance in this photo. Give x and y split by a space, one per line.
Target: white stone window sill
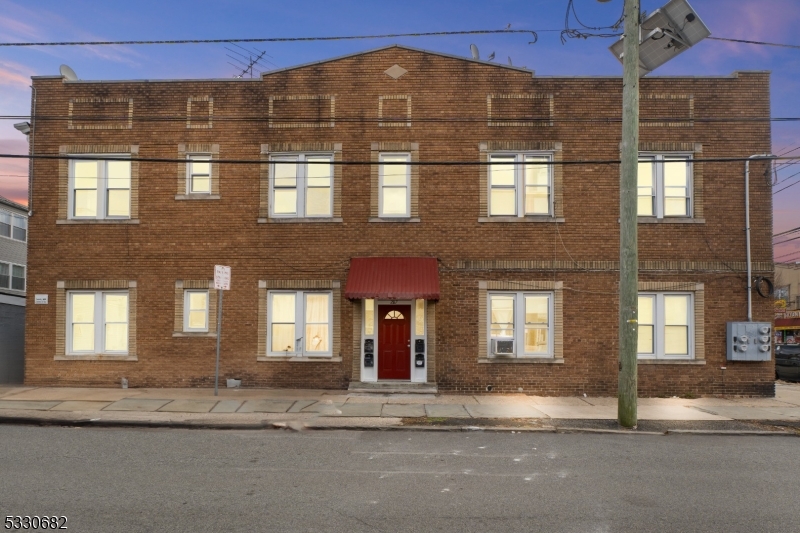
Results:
300 359
670 220
530 218
99 221
299 220
194 334
394 219
197 196
96 357
671 361
522 360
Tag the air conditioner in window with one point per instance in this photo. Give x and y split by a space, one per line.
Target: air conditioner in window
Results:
503 346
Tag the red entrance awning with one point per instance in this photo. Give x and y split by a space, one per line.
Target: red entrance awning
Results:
393 278
787 324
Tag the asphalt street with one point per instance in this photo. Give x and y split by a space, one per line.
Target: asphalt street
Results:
132 480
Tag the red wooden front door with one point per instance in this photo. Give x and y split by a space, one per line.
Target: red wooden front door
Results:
394 342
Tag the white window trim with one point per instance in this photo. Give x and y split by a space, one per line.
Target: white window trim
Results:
102 188
519 183
190 159
99 322
301 186
12 215
519 324
381 168
659 320
186 309
11 276
299 324
658 182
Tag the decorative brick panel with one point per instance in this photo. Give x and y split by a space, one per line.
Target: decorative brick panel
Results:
384 102
656 110
83 114
317 107
511 110
201 107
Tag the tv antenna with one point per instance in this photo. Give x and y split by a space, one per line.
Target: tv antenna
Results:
247 63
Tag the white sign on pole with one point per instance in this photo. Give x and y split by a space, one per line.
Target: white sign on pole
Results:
222 277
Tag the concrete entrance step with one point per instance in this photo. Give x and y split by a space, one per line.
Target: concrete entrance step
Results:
385 387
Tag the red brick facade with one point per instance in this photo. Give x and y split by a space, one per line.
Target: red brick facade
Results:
442 109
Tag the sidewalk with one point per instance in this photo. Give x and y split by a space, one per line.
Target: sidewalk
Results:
297 409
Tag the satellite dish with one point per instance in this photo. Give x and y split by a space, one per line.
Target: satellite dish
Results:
474 50
68 73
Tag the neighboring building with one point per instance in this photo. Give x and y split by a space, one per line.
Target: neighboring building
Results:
787 299
13 273
354 260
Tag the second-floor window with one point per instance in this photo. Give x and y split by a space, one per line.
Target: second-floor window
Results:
13 226
520 185
12 277
395 185
198 174
665 182
301 185
100 189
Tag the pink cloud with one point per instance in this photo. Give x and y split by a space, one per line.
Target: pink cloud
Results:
14 74
17 28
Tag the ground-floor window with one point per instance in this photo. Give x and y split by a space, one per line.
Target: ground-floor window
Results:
299 323
195 310
520 324
97 322
666 326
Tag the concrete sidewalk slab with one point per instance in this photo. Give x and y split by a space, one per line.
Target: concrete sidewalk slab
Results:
446 411
358 410
266 406
189 406
402 410
80 405
603 412
10 390
504 411
565 401
299 405
227 406
439 399
505 399
137 404
24 404
674 412
601 401
754 413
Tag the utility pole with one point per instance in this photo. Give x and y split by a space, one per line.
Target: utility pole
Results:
629 253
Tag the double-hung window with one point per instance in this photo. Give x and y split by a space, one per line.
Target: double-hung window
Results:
666 326
299 323
13 226
665 185
97 322
301 185
195 311
520 184
100 189
520 324
12 276
198 174
395 185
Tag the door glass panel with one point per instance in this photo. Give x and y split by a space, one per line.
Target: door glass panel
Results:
369 317
419 318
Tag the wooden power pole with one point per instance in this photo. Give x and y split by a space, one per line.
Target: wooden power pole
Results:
628 253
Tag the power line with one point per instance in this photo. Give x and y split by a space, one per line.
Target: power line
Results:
762 43
787 240
788 186
787 255
787 232
280 39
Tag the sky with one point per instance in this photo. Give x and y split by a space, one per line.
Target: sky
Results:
80 20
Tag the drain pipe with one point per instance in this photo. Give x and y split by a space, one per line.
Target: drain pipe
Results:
747 230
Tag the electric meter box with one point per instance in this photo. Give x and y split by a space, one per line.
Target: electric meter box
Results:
749 341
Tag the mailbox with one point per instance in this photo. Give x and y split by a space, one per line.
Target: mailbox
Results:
369 353
369 360
419 360
369 345
419 345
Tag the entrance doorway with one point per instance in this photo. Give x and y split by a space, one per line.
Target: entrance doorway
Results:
394 342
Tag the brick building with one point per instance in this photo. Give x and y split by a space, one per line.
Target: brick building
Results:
13 252
351 253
